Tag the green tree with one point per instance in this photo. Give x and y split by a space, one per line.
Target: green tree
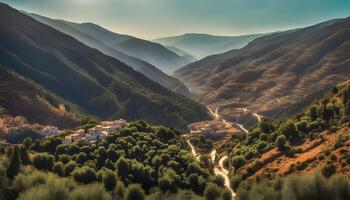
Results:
109 179
69 167
226 195
28 142
15 163
281 142
237 162
134 192
43 161
212 191
58 168
84 175
25 156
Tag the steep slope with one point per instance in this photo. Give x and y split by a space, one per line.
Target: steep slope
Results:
202 45
273 72
145 68
21 97
100 85
151 52
318 137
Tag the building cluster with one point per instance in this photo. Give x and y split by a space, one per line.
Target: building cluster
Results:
96 133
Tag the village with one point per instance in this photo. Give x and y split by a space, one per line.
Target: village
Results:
96 133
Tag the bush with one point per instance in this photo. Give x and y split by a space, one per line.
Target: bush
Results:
69 167
237 162
15 163
43 161
84 175
90 192
134 192
212 191
281 142
109 179
58 168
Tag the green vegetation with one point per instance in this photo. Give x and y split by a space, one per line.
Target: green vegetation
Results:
138 161
202 142
330 113
296 187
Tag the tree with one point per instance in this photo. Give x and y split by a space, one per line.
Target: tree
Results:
281 142
313 112
226 195
134 192
212 191
15 163
43 161
24 156
84 175
109 179
237 162
58 168
289 129
28 142
69 167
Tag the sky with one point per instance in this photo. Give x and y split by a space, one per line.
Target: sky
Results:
150 19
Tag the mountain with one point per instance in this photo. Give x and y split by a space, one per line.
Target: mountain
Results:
203 45
150 52
274 72
99 84
92 35
22 97
316 138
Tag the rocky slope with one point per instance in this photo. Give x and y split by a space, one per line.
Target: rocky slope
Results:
273 72
100 85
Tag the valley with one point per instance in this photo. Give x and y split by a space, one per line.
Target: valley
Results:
118 105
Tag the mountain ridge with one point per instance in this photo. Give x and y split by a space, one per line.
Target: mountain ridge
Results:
102 85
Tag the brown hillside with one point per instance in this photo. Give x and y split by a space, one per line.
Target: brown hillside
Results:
20 97
274 72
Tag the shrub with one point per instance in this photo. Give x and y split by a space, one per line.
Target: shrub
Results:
84 175
281 142
15 163
58 168
90 192
237 162
134 192
109 179
212 191
43 161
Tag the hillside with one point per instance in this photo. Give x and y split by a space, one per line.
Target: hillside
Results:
100 85
315 139
92 36
274 72
148 51
21 97
153 53
203 45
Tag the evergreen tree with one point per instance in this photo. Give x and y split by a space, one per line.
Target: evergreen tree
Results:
24 156
134 192
15 163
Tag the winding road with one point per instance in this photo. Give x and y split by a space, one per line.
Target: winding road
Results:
220 169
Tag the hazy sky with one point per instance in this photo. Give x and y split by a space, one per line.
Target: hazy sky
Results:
156 18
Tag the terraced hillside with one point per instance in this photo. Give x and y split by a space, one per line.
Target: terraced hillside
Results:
86 34
274 72
99 84
317 138
21 97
